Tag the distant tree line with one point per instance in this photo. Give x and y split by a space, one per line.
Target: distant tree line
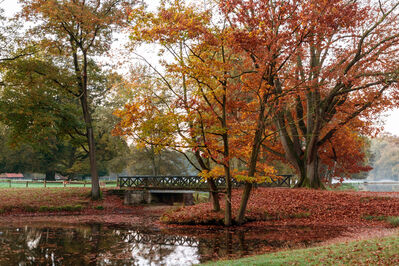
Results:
385 158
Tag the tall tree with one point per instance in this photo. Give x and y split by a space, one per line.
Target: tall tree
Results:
36 112
40 114
198 132
211 103
330 62
79 30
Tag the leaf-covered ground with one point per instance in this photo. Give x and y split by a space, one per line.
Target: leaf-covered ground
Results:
20 206
299 207
58 201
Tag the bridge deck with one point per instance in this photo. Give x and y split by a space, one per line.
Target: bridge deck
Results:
187 182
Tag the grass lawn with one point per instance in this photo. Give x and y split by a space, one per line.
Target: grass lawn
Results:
22 184
381 251
344 186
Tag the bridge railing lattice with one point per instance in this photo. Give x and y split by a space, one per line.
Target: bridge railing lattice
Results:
188 182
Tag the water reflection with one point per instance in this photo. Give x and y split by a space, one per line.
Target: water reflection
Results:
103 245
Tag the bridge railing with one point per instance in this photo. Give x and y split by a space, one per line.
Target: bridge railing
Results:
189 182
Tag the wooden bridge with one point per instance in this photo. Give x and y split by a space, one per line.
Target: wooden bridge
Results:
170 189
188 182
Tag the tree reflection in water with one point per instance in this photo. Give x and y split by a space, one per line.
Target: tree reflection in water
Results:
101 245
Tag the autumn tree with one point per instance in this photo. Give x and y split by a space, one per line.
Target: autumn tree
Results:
78 31
329 62
207 123
212 99
345 154
157 120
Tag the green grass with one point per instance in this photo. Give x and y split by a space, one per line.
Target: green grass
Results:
5 184
382 251
343 187
393 220
377 218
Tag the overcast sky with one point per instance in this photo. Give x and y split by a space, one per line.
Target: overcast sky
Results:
390 119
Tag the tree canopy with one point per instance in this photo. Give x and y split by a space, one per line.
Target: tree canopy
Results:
312 73
239 85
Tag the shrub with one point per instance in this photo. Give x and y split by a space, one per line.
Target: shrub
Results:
99 207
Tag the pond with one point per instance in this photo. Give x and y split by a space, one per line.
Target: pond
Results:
97 244
380 186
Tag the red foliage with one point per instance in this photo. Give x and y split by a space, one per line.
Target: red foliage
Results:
298 207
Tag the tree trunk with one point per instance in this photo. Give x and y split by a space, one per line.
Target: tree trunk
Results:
313 173
95 185
50 175
252 163
310 174
244 202
214 195
154 164
81 76
305 162
227 214
302 175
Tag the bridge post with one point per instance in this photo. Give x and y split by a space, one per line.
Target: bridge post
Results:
147 196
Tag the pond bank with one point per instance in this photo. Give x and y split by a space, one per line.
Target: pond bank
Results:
281 219
376 251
